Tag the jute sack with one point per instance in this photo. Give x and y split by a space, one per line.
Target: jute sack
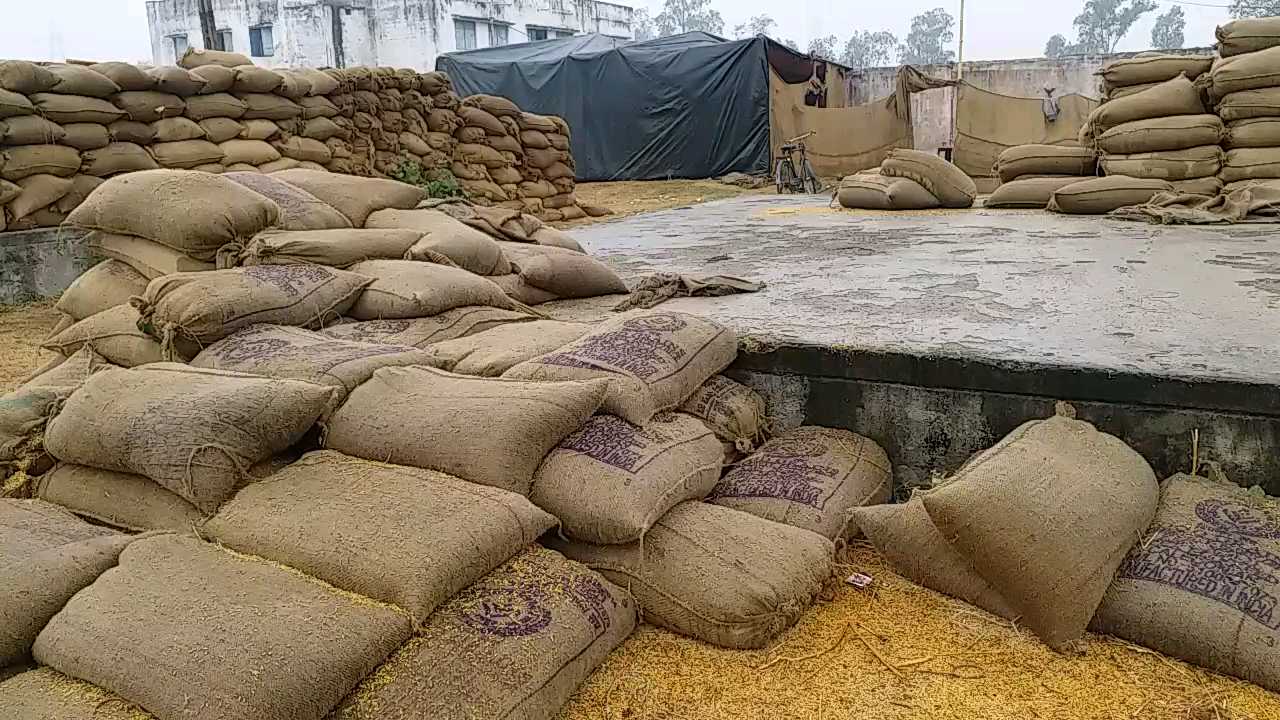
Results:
566 273
877 192
14 105
1046 516
118 157
943 180
280 165
1178 96
265 106
1028 192
1202 583
318 107
409 537
1248 104
63 109
216 79
1102 195
1180 132
101 287
260 130
610 481
540 123
304 149
192 212
299 209
249 152
354 197
339 248
49 695
24 77
253 79
37 193
30 130
909 540
653 361
410 289
189 311
1251 71
442 235
129 502
382 420
216 105
70 372
1119 92
176 80
1209 187
478 118
46 556
517 644
193 431
271 643
151 259
114 333
424 332
1189 164
493 352
1248 35
196 57
481 154
1252 133
25 411
1251 164
81 80
715 574
1045 160
516 288
1154 68
26 160
809 477
86 136
185 154
733 411
296 354
148 106
492 104
321 129
82 186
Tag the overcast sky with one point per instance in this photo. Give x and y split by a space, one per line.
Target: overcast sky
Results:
994 29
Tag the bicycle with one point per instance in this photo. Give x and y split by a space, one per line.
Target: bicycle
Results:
785 174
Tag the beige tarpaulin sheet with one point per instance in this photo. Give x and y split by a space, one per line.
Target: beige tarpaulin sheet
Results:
989 123
849 139
1253 203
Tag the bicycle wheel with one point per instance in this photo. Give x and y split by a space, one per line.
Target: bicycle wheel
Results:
785 176
812 184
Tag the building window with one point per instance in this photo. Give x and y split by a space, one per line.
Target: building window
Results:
536 33
225 39
498 35
564 33
180 46
261 44
465 31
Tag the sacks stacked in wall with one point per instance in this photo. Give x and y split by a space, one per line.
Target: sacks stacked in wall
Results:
1245 89
908 180
1031 174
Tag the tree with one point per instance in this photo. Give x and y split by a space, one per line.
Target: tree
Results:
1103 23
1168 31
682 16
869 49
758 25
1057 47
1254 8
791 44
824 48
642 25
929 35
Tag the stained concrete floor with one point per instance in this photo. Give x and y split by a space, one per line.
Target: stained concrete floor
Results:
1005 288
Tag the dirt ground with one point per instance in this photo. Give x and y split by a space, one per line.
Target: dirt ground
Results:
22 328
631 198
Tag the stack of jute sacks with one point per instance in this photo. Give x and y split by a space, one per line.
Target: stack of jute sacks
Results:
908 180
1063 528
1245 88
1030 174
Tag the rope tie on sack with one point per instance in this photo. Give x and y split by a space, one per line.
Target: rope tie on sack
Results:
229 256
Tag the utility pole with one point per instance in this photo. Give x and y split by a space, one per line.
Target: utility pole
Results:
960 55
209 26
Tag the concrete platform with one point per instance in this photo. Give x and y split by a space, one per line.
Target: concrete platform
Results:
939 331
40 264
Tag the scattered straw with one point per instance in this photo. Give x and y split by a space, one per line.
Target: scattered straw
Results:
953 662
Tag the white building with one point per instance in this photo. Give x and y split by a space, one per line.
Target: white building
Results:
398 33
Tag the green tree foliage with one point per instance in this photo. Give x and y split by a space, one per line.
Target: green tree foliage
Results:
758 25
930 33
1169 30
682 16
824 48
869 49
1254 8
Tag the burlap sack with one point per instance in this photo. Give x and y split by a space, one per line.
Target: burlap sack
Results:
1251 71
1179 132
356 198
26 160
377 422
81 80
1209 187
493 352
49 695
873 191
216 78
299 209
809 477
317 107
86 136
733 411
1028 192
409 289
1178 96
196 57
304 149
715 574
943 180
259 130
424 332
249 152
82 186
336 248
189 311
1198 162
322 128
176 80
539 123
563 273
1201 585
517 644
1248 35
151 259
216 105
1154 68
265 106
37 192
69 372
479 118
1117 93
1251 164
114 333
193 431
1248 104
186 154
1045 160
253 79
516 288
271 643
281 165
653 361
443 236
118 157
129 502
1252 133
105 285
1102 195
296 354
610 481
63 109
401 535
148 106
481 154
30 130
908 539
14 105
27 78
214 210
46 556
1046 516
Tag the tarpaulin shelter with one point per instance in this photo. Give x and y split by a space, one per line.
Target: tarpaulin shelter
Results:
692 105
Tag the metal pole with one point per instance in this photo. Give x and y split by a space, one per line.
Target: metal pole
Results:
960 55
208 26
